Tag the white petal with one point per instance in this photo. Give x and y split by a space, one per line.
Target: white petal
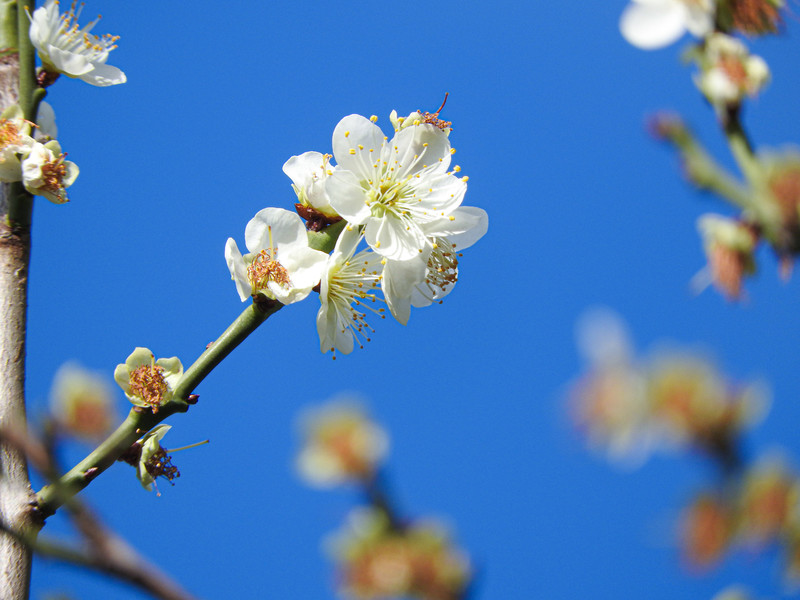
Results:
347 196
104 75
417 147
69 63
350 133
300 168
394 238
238 269
274 227
653 24
399 279
469 224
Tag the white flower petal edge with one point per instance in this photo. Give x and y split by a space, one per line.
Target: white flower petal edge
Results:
65 48
279 265
652 24
394 187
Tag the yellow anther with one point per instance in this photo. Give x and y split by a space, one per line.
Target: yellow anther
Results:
452 150
360 147
352 150
346 134
374 118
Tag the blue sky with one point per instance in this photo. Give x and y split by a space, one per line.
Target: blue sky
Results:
548 105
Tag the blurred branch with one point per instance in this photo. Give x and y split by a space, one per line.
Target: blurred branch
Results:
701 168
140 421
107 552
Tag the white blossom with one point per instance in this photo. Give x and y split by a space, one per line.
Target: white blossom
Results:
651 24
279 264
66 48
399 189
45 172
308 173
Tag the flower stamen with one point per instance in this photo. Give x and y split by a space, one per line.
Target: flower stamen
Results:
147 382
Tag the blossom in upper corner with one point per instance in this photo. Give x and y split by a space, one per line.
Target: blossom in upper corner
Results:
399 189
15 140
81 402
46 173
341 444
279 264
348 279
728 71
652 24
431 275
148 382
66 48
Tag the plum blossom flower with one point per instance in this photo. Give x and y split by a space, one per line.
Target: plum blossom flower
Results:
82 402
376 561
15 140
730 250
729 72
651 24
399 189
279 264
430 276
66 48
45 172
308 173
153 460
341 444
348 279
148 382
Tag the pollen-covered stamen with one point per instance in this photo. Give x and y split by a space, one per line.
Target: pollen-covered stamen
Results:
755 16
147 382
265 268
9 133
79 40
53 174
160 465
442 268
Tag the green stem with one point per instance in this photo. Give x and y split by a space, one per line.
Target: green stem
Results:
740 145
20 207
138 422
27 60
701 168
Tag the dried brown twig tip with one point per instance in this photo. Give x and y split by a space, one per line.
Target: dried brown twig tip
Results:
433 118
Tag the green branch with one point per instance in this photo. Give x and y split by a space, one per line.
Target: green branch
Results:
139 421
701 168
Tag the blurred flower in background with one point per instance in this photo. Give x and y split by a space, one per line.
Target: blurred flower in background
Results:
376 560
82 402
340 444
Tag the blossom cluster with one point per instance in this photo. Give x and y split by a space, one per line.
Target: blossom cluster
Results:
768 200
378 555
39 165
629 408
402 232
